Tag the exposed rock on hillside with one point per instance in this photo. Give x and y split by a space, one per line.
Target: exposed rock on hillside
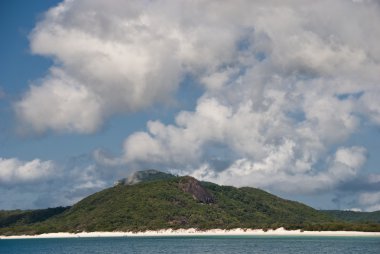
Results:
191 185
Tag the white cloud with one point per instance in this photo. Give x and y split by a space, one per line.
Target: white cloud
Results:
297 84
371 105
104 64
277 171
61 104
15 171
370 200
285 84
123 61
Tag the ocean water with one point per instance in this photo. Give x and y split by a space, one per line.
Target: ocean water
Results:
146 245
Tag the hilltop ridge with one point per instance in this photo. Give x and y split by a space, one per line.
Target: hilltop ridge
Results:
144 176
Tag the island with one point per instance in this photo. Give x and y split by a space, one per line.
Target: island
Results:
151 201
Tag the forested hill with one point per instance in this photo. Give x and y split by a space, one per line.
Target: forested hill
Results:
155 200
353 216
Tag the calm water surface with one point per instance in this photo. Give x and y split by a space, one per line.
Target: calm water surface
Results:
331 245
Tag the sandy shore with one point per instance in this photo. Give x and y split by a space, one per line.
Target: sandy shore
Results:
194 232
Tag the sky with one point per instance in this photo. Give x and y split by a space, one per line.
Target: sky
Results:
277 95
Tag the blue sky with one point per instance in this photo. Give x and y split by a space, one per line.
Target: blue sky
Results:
269 95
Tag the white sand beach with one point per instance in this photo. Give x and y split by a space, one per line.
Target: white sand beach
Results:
195 232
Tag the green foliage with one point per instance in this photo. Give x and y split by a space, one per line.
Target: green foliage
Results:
352 216
161 204
19 217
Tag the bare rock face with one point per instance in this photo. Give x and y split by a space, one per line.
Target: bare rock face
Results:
191 185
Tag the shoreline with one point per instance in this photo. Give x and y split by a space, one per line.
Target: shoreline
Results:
194 232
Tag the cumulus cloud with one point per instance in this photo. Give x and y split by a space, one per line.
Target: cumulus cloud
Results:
342 167
279 109
15 171
106 61
285 84
60 104
122 56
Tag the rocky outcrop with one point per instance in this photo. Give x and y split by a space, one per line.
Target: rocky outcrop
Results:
193 186
187 184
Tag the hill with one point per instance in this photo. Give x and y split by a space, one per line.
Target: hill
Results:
353 216
180 202
19 217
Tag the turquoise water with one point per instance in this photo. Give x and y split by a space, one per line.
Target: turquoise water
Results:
331 245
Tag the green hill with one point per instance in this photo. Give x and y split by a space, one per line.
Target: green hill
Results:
353 216
19 217
180 202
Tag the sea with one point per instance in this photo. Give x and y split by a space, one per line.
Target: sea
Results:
236 244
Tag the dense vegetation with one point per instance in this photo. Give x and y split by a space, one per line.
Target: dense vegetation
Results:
20 217
352 216
162 204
